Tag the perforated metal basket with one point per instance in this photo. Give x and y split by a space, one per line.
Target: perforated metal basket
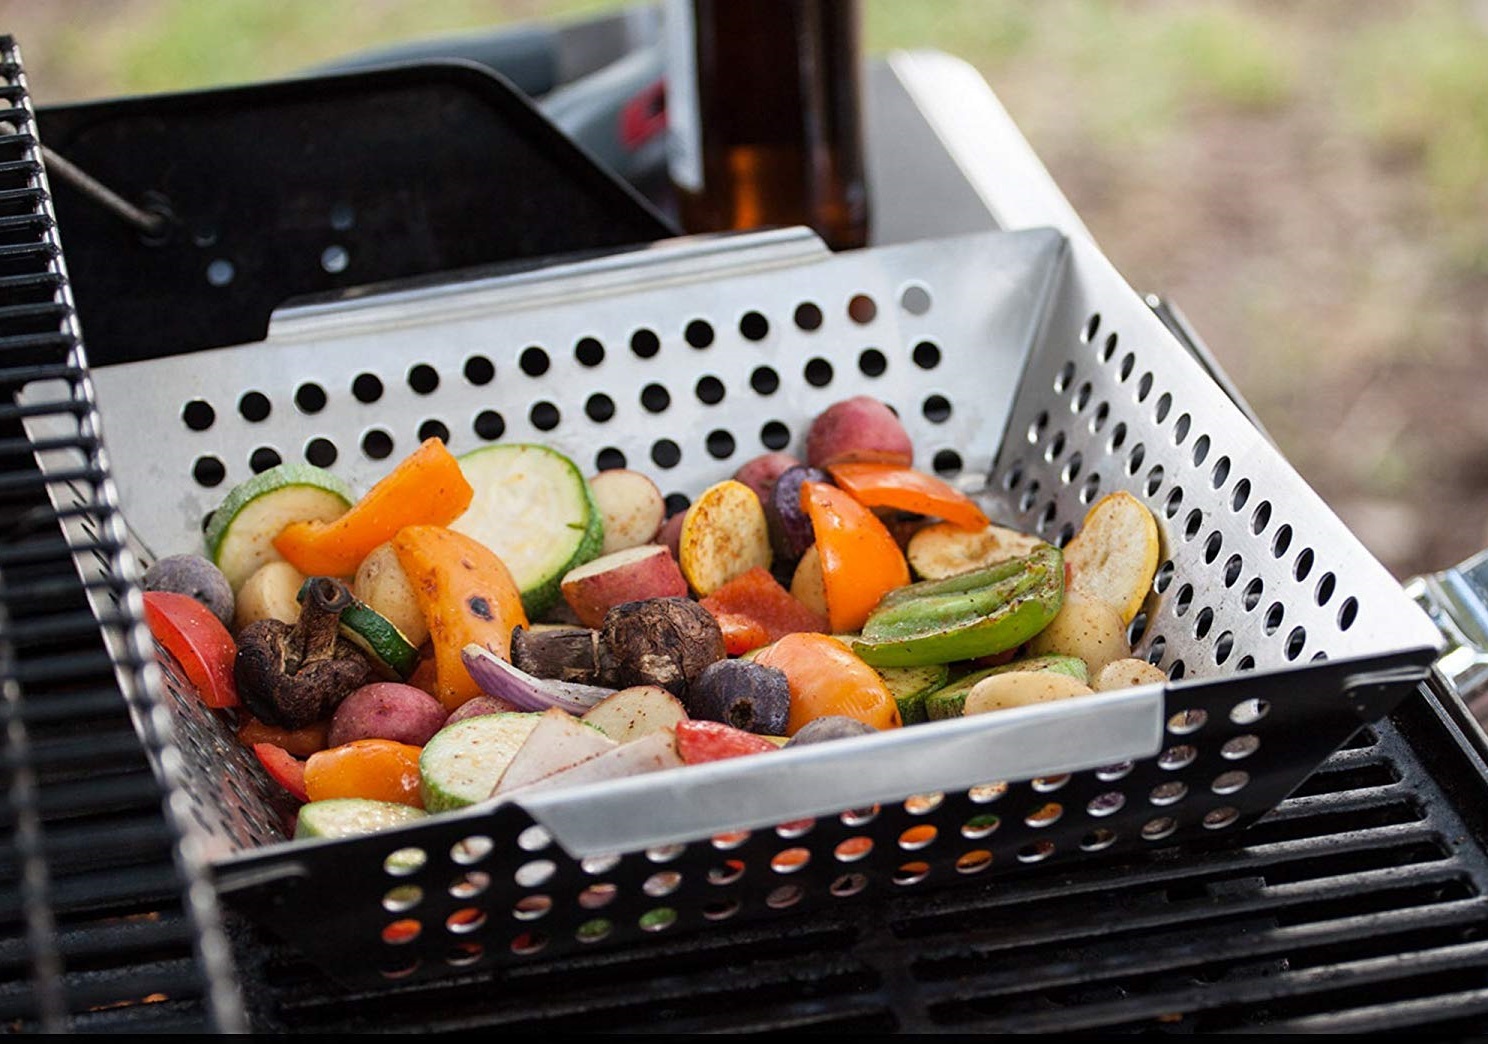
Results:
1024 368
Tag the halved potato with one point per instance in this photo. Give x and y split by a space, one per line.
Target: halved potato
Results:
942 549
1114 555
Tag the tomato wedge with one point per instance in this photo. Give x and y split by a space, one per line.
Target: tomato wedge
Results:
196 638
859 559
905 489
699 741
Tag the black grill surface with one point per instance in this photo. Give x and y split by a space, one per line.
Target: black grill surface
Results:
1358 905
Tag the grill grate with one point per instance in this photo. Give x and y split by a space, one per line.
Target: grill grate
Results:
100 926
1357 905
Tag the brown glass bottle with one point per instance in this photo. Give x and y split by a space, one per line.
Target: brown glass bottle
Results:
765 116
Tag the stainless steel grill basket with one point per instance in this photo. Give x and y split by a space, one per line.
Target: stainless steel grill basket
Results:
1027 372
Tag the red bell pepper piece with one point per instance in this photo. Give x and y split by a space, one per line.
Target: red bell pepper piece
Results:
891 486
286 769
753 609
196 638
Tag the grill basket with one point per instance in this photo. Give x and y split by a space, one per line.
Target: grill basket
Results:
1026 371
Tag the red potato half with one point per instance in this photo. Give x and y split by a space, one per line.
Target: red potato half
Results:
724 534
647 571
387 710
859 428
760 473
631 505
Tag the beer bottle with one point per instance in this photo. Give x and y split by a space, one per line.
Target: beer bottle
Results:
764 116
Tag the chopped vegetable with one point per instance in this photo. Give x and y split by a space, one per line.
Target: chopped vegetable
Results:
272 592
881 485
860 562
949 701
292 676
240 535
724 533
534 510
647 571
826 677
426 488
661 641
195 576
636 711
972 614
829 727
558 741
284 768
571 654
299 742
1114 553
631 508
462 764
910 686
744 694
467 596
701 741
498 678
859 428
387 710
376 769
193 635
1126 673
389 652
381 583
943 549
1086 626
785 516
1020 689
353 817
753 609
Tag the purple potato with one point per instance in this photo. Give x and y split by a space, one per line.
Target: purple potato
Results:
196 577
744 694
830 727
789 525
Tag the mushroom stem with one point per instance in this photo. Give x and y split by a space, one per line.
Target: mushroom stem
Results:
315 633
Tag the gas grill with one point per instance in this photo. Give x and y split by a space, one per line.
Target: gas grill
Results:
1355 904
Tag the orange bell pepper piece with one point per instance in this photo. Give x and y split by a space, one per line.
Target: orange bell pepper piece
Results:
826 677
426 488
299 742
905 489
753 609
377 769
466 594
860 560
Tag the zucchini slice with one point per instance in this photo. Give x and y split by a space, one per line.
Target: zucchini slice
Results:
534 508
352 817
241 532
391 654
463 762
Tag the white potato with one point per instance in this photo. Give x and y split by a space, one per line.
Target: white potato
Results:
1020 689
271 592
381 583
941 549
636 711
1087 627
1126 673
631 505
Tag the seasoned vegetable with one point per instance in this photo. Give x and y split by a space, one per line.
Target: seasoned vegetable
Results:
785 516
1087 627
860 562
647 571
498 678
807 585
962 617
570 654
949 701
386 710
558 741
292 676
636 711
753 610
375 769
944 549
702 741
533 509
481 705
744 694
859 428
1021 688
662 641
195 576
464 761
631 508
910 686
426 488
353 817
299 742
388 652
382 585
829 727
760 473
826 677
724 533
271 593
240 535
283 768
193 635
650 753
880 485
467 596
1114 553
1126 673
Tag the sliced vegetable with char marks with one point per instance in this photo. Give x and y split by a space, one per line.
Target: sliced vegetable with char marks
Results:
533 508
240 535
881 485
860 561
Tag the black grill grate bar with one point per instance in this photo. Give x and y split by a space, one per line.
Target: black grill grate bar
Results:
62 626
39 281
128 933
72 708
86 757
42 252
11 313
59 590
1442 1009
16 115
81 667
160 980
55 408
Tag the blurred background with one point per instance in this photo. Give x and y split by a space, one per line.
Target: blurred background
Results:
1307 182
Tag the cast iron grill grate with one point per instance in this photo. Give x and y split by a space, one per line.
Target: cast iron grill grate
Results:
103 921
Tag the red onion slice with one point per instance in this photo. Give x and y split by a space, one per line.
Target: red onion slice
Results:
496 677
